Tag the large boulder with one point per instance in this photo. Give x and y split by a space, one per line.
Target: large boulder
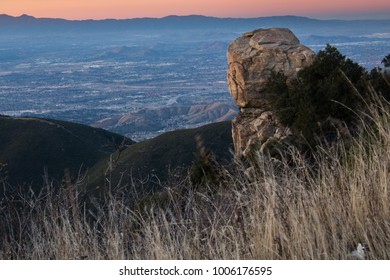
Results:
251 60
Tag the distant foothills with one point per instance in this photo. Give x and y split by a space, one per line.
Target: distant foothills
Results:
28 24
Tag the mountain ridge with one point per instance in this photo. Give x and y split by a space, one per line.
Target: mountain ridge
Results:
190 16
23 23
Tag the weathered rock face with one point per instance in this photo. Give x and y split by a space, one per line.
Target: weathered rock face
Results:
254 128
251 60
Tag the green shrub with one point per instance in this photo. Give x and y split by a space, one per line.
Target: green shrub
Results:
322 96
380 79
386 60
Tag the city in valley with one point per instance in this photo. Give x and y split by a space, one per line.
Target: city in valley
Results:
142 82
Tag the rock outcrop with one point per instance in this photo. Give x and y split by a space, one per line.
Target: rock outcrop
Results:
251 60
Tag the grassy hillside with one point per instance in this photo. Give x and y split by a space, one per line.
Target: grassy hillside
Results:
271 209
30 147
155 158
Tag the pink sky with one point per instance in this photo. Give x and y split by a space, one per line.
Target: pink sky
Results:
100 9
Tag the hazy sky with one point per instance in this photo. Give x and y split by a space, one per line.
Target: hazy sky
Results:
99 9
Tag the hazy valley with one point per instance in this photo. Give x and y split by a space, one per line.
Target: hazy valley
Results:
143 77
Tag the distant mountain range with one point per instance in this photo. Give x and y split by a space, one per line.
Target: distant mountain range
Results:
27 24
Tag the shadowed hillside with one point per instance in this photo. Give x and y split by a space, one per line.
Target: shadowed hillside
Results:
30 147
155 158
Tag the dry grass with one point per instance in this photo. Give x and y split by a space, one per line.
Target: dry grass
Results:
275 209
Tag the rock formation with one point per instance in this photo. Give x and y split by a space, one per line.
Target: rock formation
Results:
251 60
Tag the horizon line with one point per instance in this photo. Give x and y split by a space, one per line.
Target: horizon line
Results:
197 15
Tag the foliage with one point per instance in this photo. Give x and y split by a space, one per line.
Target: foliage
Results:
204 169
322 96
380 81
386 60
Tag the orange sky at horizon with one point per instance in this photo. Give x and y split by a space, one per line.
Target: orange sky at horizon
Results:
101 9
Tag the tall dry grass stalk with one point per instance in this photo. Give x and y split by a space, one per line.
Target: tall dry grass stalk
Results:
274 209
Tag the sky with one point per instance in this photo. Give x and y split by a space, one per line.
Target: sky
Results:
102 9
